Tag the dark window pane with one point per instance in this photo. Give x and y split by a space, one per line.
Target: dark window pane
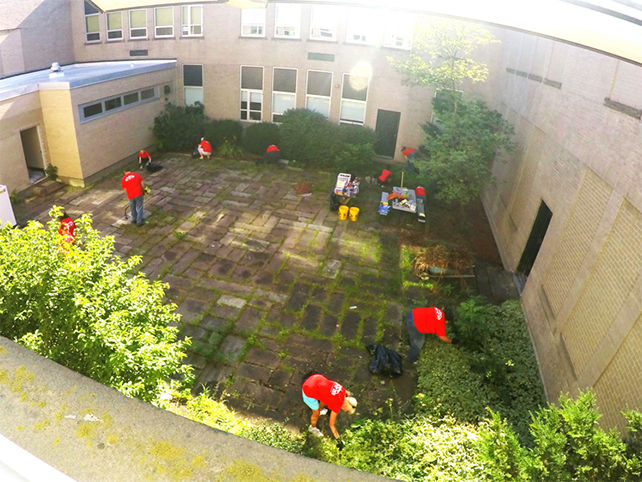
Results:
147 94
193 75
243 115
114 103
252 78
93 36
131 98
255 106
285 80
89 9
243 104
354 87
92 110
319 83
255 116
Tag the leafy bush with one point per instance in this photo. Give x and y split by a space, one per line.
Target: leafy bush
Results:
219 130
179 128
412 449
306 136
353 151
230 150
500 451
259 136
87 309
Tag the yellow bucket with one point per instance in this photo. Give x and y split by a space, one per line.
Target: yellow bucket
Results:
354 213
343 212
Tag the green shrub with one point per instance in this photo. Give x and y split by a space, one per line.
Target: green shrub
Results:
259 136
87 309
179 128
230 150
412 449
217 131
352 150
307 137
500 451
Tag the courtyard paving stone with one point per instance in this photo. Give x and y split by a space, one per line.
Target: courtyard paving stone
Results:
244 254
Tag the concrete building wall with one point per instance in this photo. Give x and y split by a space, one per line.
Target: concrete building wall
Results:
222 51
577 120
18 114
33 34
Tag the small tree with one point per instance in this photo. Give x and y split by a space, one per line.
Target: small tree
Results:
85 308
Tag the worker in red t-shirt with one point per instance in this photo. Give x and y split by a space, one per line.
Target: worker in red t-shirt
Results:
67 231
204 148
385 178
422 321
134 185
409 154
318 392
144 159
272 154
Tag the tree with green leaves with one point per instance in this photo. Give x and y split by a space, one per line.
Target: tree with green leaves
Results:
87 309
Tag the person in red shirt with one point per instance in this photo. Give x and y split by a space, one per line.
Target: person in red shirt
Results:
67 232
385 178
422 321
144 159
272 154
204 148
134 186
318 392
409 154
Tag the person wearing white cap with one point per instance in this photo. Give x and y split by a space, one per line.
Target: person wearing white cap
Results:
318 392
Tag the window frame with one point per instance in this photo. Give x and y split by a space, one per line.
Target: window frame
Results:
348 100
262 26
157 26
104 111
249 93
313 26
131 28
282 6
93 32
283 92
193 87
317 96
109 31
187 23
373 20
393 28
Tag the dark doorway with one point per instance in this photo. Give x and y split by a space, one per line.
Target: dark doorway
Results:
33 154
535 240
386 132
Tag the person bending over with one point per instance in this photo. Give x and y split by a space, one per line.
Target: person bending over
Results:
419 323
204 148
319 392
144 159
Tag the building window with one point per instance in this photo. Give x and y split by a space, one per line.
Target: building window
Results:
251 93
353 99
164 22
287 23
100 108
323 23
253 22
283 92
398 32
318 92
138 24
115 26
192 20
364 25
92 23
193 84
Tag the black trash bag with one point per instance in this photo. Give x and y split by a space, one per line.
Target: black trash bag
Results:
195 153
153 167
384 361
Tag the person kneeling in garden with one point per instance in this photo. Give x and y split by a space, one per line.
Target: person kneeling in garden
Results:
422 321
318 392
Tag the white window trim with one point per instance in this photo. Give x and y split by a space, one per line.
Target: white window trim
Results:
297 34
316 96
137 28
122 107
363 102
274 91
354 13
193 86
249 92
312 26
122 34
92 33
262 25
186 23
156 26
